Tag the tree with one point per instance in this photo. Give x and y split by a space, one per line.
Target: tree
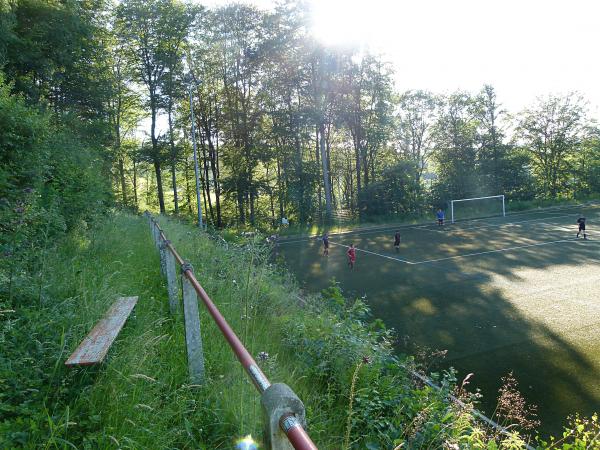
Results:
455 151
55 53
415 121
172 86
552 131
152 32
492 150
125 111
368 105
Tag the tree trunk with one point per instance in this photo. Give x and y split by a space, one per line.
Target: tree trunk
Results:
213 158
358 176
135 194
173 156
156 160
188 197
325 163
280 188
159 187
122 177
206 182
317 159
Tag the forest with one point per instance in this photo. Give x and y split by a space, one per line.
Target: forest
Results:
286 127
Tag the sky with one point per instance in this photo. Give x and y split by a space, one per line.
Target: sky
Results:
524 48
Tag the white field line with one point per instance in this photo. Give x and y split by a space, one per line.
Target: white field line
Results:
425 227
510 224
498 250
557 208
373 253
518 222
433 230
428 261
430 227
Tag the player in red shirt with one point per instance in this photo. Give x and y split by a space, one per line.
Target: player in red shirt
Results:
351 256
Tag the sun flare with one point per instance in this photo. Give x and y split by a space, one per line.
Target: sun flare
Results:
340 22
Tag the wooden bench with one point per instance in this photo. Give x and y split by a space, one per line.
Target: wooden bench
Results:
94 347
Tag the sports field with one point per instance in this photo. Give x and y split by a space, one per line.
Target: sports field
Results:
518 293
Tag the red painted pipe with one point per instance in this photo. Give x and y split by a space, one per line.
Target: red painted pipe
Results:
258 377
288 422
297 436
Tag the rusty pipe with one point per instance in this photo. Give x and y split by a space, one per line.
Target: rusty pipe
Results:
289 424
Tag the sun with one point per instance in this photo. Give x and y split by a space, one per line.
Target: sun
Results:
342 22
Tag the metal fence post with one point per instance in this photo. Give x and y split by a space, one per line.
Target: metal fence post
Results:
282 408
193 335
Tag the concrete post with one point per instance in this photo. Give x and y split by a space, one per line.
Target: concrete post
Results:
279 400
193 335
156 235
162 249
168 266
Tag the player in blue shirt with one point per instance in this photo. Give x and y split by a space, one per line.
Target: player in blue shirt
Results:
440 216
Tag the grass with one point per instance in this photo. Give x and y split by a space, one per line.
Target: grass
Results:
140 396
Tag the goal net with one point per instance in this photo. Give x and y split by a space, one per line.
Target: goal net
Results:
472 208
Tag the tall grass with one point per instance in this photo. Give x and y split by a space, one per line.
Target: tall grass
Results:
140 397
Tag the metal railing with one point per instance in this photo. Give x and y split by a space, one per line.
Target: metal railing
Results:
284 410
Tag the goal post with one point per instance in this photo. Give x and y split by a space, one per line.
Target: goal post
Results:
492 205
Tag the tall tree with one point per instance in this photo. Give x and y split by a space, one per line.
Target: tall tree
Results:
125 112
151 30
552 130
455 150
415 121
492 151
369 106
181 21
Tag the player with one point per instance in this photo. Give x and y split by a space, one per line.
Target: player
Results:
351 256
325 239
581 222
440 217
397 241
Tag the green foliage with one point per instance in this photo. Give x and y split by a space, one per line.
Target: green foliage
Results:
553 130
396 192
49 180
56 55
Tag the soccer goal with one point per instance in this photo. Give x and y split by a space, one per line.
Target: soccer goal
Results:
471 208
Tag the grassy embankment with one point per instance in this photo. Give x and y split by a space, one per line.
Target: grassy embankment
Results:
356 393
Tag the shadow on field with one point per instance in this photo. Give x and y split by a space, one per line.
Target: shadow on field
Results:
532 311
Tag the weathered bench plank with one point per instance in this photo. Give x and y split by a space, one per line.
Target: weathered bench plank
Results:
94 347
